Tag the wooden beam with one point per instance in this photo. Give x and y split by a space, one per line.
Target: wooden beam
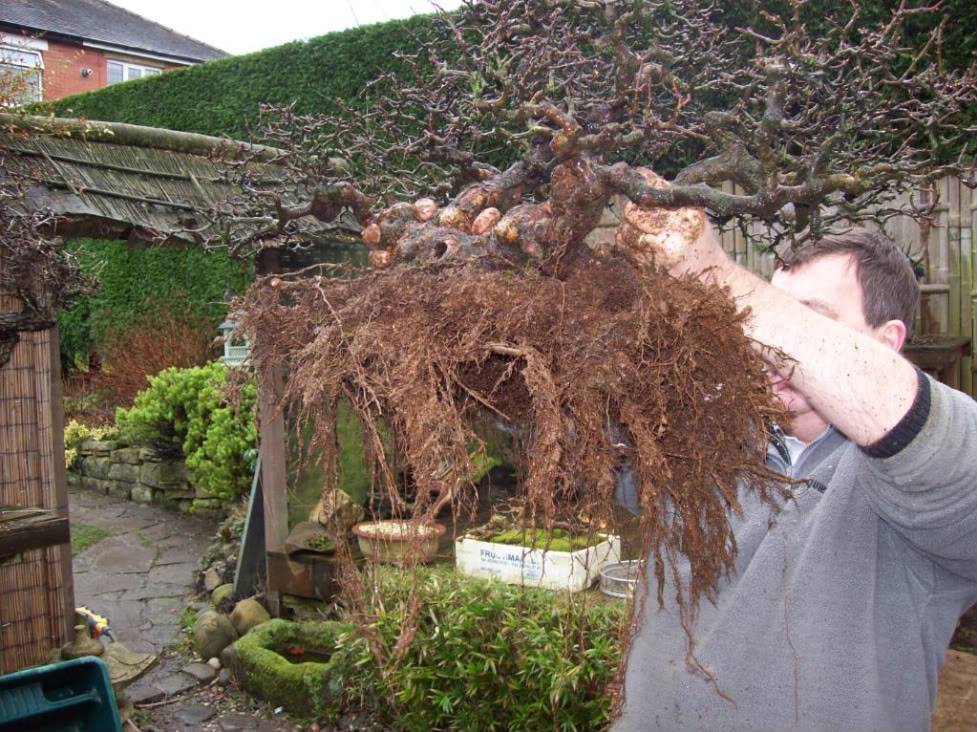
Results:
120 133
23 530
272 444
60 474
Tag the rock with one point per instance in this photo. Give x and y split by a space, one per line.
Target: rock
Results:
124 472
74 479
227 657
214 663
202 672
150 454
193 715
336 507
220 593
173 497
128 455
98 447
119 489
94 484
141 493
212 633
143 692
206 507
304 689
247 614
163 474
96 467
224 677
212 580
175 684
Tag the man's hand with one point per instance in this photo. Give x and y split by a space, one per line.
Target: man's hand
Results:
680 240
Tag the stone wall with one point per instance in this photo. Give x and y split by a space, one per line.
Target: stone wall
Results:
141 474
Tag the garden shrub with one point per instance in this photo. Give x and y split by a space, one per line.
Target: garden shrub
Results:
187 409
76 432
489 656
164 336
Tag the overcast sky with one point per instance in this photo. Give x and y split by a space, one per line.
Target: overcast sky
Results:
242 26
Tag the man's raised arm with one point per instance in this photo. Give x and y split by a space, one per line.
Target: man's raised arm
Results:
858 384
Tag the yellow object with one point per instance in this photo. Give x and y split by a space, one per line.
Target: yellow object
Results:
98 625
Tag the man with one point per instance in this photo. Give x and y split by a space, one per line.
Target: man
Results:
842 604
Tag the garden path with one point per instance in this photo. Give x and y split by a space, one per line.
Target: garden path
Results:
139 573
140 576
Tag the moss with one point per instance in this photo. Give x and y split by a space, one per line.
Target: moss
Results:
559 541
84 537
305 689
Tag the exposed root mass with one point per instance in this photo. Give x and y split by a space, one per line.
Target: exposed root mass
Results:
592 371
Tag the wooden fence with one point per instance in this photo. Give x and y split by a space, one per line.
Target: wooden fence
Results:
36 597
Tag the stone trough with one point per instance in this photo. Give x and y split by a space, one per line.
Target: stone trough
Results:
292 665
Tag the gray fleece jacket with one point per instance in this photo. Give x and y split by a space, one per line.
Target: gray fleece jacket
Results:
841 606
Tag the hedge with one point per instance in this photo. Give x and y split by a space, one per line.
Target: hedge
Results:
221 97
135 279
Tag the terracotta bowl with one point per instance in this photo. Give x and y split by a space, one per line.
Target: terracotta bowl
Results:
396 541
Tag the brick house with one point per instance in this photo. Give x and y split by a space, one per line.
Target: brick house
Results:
52 48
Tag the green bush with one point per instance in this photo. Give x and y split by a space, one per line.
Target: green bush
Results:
489 656
133 280
76 432
186 408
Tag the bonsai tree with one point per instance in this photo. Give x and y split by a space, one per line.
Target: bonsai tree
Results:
475 172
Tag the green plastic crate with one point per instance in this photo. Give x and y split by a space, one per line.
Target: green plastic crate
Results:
70 696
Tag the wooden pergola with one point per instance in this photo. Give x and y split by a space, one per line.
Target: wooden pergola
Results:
119 181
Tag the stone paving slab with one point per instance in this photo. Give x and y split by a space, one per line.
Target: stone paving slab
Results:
140 582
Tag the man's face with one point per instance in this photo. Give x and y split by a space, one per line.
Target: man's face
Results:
829 285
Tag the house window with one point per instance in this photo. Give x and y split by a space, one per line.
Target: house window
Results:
122 71
21 72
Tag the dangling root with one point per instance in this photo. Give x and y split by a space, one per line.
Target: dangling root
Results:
593 370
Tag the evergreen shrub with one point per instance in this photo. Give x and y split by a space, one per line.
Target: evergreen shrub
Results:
221 97
187 409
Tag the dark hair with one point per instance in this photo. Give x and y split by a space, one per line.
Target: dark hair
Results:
889 287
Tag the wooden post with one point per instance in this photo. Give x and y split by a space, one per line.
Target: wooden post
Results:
60 476
271 442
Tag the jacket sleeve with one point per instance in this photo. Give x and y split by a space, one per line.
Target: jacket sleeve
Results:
922 476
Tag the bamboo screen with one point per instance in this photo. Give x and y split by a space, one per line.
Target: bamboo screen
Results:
35 587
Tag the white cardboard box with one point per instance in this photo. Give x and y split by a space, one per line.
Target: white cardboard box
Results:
519 565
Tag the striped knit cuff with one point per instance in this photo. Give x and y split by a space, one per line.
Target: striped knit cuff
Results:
909 426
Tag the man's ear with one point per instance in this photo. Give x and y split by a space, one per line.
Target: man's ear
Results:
892 333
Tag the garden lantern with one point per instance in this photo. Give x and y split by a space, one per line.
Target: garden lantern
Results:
236 349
